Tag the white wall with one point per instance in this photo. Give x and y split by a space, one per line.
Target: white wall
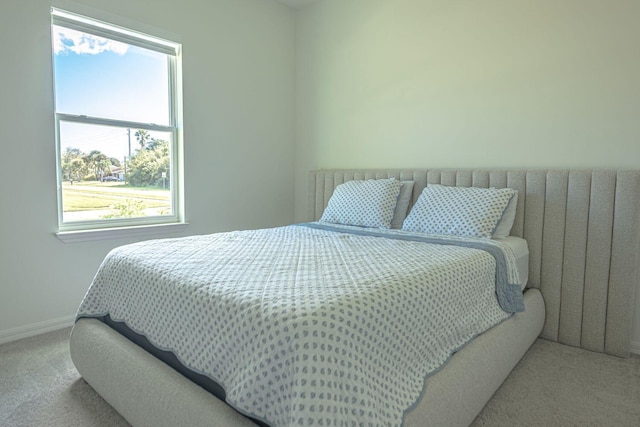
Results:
238 64
456 83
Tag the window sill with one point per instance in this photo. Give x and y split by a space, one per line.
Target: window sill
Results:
115 233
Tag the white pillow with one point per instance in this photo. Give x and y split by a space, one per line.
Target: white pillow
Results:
367 203
458 211
508 217
402 205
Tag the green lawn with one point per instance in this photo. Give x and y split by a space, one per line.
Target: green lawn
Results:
89 196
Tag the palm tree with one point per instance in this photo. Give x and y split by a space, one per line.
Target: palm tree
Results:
99 163
143 137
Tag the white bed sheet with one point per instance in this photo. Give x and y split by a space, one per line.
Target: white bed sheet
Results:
520 248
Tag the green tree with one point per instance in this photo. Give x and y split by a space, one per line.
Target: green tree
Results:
146 167
98 163
72 164
77 169
76 164
143 137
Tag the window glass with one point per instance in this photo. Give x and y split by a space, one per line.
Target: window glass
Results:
105 78
113 172
116 133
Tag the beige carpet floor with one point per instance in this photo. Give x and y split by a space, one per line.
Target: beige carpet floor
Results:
558 385
553 385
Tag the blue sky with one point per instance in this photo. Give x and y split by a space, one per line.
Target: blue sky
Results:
104 78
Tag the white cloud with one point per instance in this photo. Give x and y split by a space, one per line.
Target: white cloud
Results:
66 40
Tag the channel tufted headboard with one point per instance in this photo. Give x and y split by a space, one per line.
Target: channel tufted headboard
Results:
583 231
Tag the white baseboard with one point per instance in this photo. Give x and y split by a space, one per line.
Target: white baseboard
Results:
635 347
34 329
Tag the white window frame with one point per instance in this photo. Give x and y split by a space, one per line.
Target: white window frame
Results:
82 230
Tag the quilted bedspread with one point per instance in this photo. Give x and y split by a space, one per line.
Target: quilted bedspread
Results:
303 325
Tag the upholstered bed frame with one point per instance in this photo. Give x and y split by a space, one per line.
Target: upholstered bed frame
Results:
583 231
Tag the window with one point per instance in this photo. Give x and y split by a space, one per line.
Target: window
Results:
117 118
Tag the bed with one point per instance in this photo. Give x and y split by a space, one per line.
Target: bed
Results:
582 233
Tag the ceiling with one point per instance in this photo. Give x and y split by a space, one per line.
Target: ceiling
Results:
297 3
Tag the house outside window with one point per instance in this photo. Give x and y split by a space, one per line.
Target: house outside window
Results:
118 125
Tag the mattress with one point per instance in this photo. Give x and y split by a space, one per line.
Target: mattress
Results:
311 317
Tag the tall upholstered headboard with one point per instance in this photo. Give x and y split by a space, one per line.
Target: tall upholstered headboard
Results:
583 231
